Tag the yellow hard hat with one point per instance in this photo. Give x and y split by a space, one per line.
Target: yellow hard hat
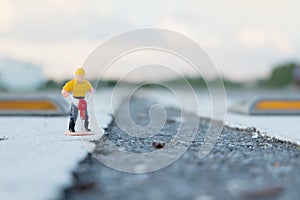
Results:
80 72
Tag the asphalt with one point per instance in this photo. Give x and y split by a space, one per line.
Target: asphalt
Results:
244 164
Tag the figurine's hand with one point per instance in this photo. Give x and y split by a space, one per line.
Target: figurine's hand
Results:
75 102
89 98
70 99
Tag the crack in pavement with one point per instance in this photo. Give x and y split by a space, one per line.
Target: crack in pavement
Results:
239 166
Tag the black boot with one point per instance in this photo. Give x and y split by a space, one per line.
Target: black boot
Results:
72 126
86 125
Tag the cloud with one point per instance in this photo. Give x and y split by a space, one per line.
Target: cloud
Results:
170 23
282 43
7 13
62 20
58 59
62 33
104 9
252 37
71 7
205 38
256 37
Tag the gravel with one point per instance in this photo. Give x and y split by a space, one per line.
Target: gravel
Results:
244 164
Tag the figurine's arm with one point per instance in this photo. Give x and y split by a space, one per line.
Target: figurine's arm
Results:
91 91
65 93
90 94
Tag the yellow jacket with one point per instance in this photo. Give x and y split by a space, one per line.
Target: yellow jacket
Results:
78 89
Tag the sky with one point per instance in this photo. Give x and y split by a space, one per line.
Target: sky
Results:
244 39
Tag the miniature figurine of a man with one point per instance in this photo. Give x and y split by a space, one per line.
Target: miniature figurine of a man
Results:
80 89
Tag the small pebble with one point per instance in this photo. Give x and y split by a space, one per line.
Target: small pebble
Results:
254 135
158 145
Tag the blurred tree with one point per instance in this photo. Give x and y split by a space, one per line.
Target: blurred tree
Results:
282 75
296 75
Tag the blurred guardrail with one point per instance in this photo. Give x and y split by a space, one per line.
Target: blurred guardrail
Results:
33 105
267 106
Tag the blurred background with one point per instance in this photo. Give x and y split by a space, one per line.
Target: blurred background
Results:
253 43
